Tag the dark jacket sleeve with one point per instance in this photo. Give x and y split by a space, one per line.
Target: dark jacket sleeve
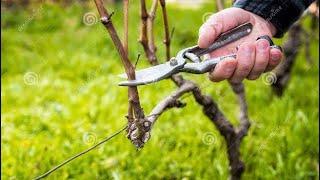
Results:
281 13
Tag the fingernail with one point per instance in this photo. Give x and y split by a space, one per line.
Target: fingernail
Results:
277 47
266 37
262 45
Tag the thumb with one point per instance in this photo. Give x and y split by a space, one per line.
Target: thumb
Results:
219 23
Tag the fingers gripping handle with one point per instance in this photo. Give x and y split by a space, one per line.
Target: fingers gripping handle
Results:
272 45
225 38
207 65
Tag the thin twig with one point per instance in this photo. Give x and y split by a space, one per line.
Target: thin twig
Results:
220 5
239 90
106 21
172 33
129 68
125 45
166 41
137 60
290 49
143 27
210 108
151 44
125 23
80 154
147 23
170 101
177 79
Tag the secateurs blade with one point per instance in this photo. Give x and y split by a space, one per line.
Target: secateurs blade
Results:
196 66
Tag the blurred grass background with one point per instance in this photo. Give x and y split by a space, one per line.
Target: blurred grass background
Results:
59 96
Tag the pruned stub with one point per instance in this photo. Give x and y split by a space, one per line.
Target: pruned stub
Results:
139 132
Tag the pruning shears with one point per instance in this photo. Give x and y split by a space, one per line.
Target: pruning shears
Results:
196 66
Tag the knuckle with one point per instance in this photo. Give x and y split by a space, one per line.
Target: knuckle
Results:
247 46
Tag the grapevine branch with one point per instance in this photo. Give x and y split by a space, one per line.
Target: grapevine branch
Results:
151 44
167 39
125 24
220 5
297 36
129 68
283 71
232 135
147 24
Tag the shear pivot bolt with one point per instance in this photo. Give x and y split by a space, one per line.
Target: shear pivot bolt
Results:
173 62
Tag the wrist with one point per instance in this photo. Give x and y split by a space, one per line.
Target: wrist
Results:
280 16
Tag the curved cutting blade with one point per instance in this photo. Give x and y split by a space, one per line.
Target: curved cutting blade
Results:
152 74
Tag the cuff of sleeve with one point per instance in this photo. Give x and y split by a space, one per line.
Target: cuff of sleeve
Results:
281 15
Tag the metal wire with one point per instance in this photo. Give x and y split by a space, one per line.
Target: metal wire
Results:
80 154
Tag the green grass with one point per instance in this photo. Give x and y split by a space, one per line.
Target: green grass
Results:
75 93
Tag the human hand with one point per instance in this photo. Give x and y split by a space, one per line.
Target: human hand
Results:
253 56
